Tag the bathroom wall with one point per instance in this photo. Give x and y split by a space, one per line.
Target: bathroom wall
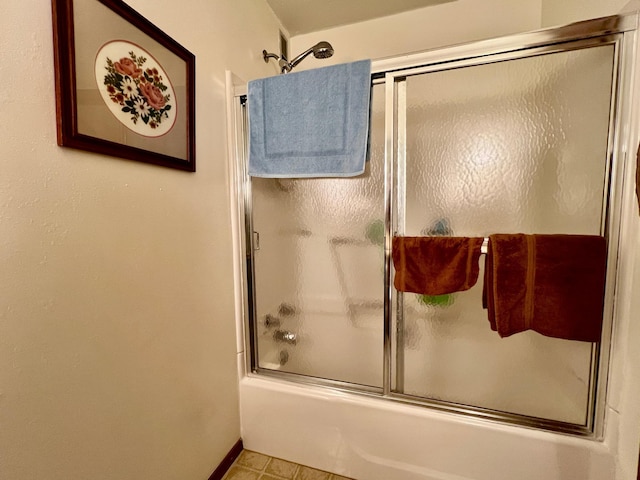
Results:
426 28
567 11
117 351
450 23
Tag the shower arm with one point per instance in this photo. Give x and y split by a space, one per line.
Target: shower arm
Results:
266 56
300 57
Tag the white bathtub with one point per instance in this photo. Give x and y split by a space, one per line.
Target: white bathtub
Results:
375 439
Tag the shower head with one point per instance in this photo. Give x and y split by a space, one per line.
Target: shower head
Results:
319 50
322 50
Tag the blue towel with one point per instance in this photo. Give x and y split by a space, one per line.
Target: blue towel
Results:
313 123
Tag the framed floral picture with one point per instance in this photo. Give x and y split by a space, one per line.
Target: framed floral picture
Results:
123 87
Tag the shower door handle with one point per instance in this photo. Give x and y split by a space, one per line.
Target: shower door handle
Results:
256 240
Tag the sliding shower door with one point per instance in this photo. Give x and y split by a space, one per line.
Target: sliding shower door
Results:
522 138
319 266
512 146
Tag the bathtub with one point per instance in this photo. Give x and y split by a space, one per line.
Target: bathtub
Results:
368 438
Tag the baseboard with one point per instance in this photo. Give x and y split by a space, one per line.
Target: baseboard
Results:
227 461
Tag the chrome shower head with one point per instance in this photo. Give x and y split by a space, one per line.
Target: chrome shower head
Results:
319 50
322 50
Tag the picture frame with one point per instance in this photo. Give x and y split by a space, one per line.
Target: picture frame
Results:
124 88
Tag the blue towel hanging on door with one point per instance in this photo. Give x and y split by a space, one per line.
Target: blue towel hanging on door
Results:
313 123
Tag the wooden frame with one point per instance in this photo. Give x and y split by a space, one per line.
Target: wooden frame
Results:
123 87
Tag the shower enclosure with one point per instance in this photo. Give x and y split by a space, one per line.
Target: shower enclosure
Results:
516 135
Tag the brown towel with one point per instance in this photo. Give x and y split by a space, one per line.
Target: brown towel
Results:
435 265
553 284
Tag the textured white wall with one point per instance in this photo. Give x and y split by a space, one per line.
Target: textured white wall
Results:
117 337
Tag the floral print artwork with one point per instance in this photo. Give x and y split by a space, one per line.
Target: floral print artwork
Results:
135 88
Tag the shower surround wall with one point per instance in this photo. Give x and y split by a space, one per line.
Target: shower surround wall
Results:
348 427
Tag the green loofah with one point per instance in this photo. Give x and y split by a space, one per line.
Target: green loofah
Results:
375 232
436 300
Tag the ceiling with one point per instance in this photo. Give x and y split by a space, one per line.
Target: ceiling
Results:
304 16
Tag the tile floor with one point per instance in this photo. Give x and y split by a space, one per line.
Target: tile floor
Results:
256 466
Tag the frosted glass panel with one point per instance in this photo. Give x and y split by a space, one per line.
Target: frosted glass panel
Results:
513 147
319 270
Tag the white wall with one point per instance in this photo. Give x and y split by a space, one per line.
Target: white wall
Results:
423 29
556 12
451 23
117 349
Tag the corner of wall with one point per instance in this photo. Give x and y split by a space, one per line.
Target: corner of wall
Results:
568 11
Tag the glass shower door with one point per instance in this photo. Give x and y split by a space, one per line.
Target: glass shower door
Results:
513 146
319 270
521 138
